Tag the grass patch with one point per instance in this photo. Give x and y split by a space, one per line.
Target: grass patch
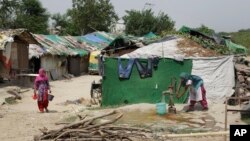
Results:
246 120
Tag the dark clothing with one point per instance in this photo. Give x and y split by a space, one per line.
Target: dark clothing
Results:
125 72
144 70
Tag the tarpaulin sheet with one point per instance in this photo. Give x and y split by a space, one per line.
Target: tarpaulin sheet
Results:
137 90
168 48
93 61
93 38
235 48
218 75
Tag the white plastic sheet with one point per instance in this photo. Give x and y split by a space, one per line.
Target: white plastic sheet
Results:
218 75
164 49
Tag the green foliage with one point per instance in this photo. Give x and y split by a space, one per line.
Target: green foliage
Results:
33 16
8 13
246 120
90 15
205 30
27 14
142 22
242 37
65 24
211 45
207 44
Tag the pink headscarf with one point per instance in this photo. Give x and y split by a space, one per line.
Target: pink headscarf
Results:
42 75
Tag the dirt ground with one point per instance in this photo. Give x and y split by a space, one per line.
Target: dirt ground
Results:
21 121
192 49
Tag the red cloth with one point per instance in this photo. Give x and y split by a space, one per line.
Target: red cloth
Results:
7 64
203 102
34 96
44 103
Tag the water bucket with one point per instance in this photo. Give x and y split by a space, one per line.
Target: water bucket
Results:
50 97
161 108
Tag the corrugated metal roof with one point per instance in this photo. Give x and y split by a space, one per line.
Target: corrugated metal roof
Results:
74 40
98 40
74 45
57 45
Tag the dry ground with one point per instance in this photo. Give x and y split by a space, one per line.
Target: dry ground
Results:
21 121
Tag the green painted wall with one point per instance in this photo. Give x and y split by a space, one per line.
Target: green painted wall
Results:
137 90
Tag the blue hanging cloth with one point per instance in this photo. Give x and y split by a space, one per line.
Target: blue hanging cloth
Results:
145 71
125 72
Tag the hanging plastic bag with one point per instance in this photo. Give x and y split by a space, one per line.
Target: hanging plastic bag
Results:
34 96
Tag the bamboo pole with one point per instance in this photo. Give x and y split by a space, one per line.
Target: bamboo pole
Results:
220 133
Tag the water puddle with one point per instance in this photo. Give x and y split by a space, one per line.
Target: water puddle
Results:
147 117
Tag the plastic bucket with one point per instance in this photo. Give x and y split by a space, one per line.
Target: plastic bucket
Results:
161 108
50 97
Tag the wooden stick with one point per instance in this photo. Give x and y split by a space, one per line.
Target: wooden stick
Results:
126 128
105 123
221 133
69 131
59 123
82 139
86 120
88 123
75 124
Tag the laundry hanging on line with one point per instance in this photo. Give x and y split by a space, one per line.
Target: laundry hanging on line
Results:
125 72
146 70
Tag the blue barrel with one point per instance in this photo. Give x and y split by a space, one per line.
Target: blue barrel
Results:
161 108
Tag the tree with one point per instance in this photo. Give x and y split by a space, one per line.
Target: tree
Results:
8 13
32 16
64 21
142 22
27 14
206 30
91 15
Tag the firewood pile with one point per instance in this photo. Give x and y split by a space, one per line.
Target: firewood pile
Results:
89 129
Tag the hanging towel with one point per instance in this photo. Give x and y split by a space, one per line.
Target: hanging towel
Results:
124 73
144 71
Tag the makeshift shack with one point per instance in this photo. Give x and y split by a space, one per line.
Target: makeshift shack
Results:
61 56
175 57
124 44
96 42
14 52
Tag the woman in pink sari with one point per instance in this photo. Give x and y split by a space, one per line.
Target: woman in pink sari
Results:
42 87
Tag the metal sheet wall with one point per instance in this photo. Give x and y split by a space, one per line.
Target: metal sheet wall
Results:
49 62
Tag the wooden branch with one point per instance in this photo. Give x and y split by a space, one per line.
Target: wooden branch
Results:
69 131
88 123
126 128
14 93
86 120
59 123
89 130
82 139
220 133
105 123
82 117
76 124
